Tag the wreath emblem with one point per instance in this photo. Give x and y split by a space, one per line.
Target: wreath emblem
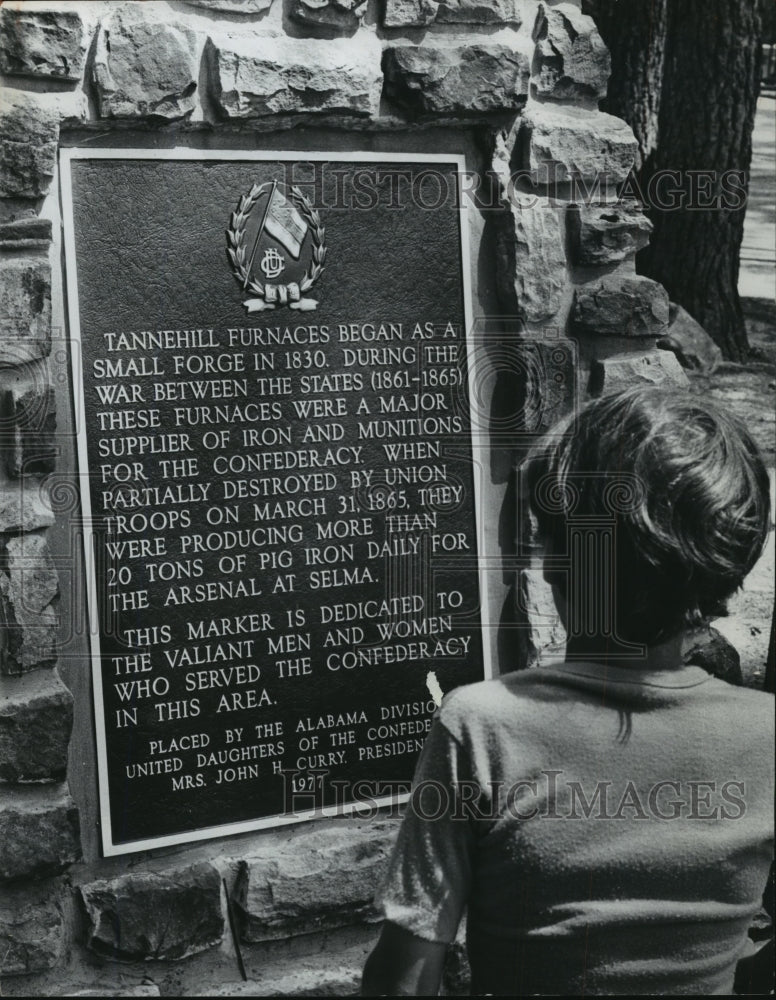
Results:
266 295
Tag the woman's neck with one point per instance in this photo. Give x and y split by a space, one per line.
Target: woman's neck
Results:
665 655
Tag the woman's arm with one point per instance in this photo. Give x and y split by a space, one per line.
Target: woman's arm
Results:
403 965
427 883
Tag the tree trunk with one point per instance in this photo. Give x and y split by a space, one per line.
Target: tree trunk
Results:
710 86
685 76
635 33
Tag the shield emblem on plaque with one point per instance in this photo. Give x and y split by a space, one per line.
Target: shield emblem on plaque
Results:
276 247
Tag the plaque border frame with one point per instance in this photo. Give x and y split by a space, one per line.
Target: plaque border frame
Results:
72 315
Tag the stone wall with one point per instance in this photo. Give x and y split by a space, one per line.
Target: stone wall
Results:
519 82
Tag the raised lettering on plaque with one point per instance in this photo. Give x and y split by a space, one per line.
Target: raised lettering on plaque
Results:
277 478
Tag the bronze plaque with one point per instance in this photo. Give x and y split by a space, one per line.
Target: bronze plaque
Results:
277 478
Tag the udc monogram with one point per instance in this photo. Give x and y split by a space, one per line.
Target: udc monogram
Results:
276 233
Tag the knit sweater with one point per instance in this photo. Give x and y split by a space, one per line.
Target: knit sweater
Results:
610 830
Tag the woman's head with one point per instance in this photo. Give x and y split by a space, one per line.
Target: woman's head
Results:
685 488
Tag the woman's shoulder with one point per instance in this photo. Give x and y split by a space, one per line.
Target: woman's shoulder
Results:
748 711
484 692
485 704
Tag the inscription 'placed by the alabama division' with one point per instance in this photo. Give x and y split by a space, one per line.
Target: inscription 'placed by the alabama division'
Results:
278 481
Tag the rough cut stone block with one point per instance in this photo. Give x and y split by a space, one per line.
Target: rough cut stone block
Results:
624 371
32 928
708 648
570 59
565 143
606 234
418 13
303 981
531 260
541 629
689 341
141 990
248 7
25 309
24 507
29 133
457 78
41 43
25 234
621 307
36 717
38 831
550 383
29 597
325 878
28 427
144 66
345 15
254 75
155 915
457 973
536 380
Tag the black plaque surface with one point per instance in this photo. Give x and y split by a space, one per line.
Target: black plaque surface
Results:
277 478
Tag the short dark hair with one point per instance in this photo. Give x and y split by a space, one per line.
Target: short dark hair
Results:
686 487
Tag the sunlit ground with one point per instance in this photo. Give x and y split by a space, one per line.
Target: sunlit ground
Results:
757 277
751 392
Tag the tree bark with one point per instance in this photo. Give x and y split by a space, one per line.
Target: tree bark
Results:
709 93
634 32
